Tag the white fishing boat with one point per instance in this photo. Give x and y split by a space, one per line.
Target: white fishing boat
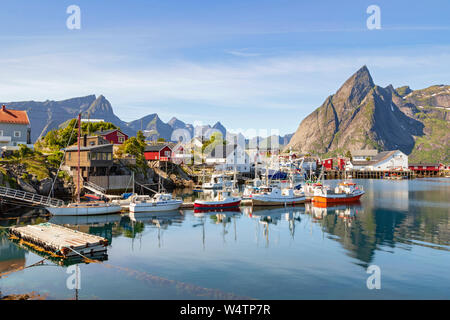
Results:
218 181
274 196
88 208
159 202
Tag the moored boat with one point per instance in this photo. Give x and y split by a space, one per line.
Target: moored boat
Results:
84 209
224 199
344 192
159 202
274 196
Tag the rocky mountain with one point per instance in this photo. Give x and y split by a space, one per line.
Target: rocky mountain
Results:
49 115
362 115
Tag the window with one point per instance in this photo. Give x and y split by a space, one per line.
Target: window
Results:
1 133
105 156
109 156
94 156
121 139
17 134
69 156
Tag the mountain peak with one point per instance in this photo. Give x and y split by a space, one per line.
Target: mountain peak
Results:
356 87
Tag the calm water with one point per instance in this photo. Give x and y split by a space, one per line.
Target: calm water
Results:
289 253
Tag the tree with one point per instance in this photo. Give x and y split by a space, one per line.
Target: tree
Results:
348 154
161 140
135 146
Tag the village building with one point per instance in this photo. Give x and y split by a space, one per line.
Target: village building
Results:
364 155
181 155
229 158
383 161
426 168
158 152
15 129
113 136
96 157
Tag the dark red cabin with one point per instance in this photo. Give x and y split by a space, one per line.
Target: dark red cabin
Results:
158 152
114 136
328 164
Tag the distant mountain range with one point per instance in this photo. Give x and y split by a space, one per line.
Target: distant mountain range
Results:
362 115
48 115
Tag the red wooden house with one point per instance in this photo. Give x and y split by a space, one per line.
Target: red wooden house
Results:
114 136
328 164
160 152
425 167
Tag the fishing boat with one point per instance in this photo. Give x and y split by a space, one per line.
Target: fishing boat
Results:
274 196
218 181
223 200
344 192
309 189
79 208
159 202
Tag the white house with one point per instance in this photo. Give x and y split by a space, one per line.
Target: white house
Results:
14 129
181 155
386 160
363 155
229 158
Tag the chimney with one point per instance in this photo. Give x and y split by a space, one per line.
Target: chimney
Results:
3 108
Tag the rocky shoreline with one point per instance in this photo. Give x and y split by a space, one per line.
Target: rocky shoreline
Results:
16 176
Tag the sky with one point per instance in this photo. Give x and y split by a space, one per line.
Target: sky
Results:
252 65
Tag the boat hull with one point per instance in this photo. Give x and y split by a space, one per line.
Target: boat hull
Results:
152 207
277 202
84 211
332 199
211 205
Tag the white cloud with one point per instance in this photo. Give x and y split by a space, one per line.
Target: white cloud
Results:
287 82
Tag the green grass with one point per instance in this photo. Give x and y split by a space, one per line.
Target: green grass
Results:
434 146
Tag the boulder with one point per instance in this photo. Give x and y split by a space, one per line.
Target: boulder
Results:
25 186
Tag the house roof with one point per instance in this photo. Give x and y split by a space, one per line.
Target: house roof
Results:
155 148
13 116
364 153
384 155
424 165
378 158
106 132
88 148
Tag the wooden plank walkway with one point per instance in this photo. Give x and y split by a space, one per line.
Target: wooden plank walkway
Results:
60 240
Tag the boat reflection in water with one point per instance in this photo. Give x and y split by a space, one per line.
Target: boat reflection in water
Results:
267 217
346 212
217 216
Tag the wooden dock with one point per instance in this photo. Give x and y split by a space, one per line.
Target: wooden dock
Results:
361 174
59 240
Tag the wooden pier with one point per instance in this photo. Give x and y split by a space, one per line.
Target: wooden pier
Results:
360 174
59 240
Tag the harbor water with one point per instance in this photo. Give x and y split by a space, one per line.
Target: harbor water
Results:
400 227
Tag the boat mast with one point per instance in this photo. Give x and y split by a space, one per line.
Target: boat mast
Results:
79 162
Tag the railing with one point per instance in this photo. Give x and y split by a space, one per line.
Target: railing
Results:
93 186
30 197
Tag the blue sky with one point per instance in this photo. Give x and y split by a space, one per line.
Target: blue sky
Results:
250 64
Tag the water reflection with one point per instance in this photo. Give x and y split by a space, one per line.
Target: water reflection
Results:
223 217
394 218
